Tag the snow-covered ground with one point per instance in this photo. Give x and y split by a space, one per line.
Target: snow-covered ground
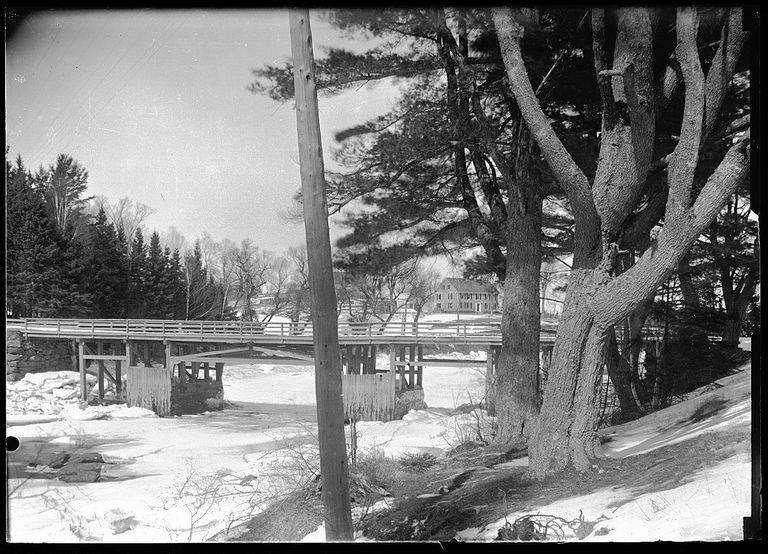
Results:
167 476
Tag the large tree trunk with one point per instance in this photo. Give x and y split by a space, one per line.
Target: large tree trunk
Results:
549 449
516 379
597 298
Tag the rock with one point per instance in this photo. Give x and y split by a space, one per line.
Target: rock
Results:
86 458
80 473
57 460
409 400
125 524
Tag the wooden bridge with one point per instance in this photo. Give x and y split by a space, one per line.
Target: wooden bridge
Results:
482 332
196 351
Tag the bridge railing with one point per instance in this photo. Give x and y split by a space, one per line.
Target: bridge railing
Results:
150 327
473 331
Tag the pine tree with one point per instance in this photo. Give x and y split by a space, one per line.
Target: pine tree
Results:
137 271
153 293
179 285
33 254
106 269
74 285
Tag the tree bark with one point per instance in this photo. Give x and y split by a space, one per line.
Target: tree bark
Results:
516 379
549 449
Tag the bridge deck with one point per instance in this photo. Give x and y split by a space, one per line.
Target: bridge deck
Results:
455 332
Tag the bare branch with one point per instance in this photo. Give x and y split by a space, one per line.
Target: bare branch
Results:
685 158
732 40
568 174
627 291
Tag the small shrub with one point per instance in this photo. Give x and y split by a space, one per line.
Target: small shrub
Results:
417 462
380 469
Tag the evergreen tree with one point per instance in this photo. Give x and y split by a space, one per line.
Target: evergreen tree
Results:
153 292
137 271
33 254
168 288
74 285
106 269
179 285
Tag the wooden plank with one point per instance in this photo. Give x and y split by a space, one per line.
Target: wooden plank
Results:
118 379
420 367
356 360
446 363
246 361
401 357
285 352
100 351
83 383
411 367
147 361
372 368
110 376
104 357
213 353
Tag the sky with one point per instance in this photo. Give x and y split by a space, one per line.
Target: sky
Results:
154 105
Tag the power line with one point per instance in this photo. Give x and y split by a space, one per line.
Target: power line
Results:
105 99
71 115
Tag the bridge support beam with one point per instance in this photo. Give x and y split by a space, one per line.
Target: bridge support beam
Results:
81 364
100 364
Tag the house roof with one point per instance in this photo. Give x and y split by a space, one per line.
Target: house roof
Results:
468 285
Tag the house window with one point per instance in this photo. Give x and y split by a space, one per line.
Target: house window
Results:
450 305
438 297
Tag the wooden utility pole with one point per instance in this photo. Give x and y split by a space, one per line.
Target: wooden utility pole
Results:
330 408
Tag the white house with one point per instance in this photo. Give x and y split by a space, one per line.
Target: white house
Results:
465 295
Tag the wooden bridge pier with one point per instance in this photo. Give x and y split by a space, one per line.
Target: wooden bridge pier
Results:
95 350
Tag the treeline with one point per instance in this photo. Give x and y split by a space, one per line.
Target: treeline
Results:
64 262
